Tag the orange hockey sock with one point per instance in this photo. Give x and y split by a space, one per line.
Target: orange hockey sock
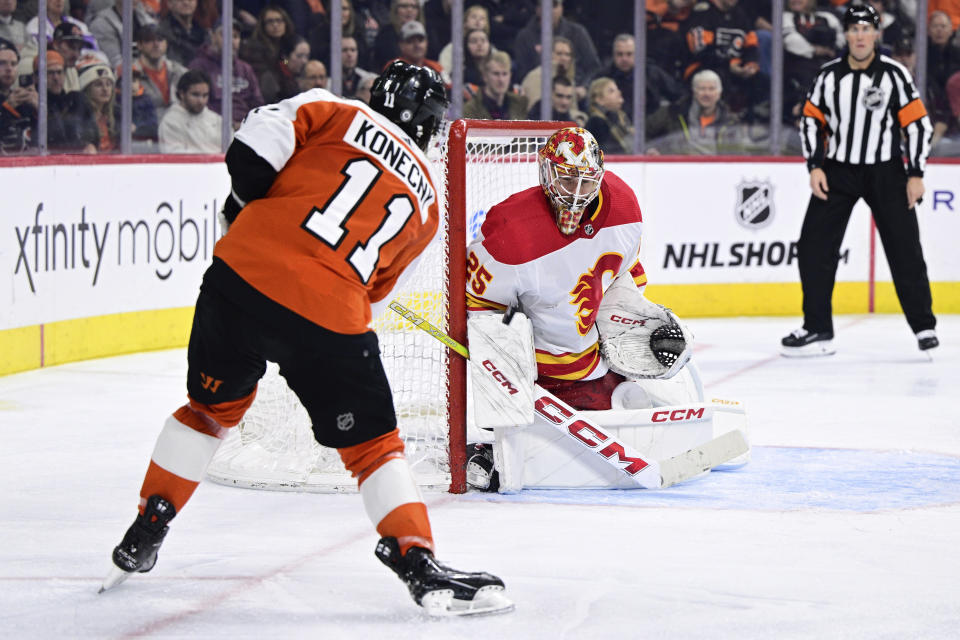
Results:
180 457
390 494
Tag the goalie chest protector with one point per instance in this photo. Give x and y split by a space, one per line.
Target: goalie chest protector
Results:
520 257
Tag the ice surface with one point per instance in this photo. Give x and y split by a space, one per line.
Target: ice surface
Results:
845 525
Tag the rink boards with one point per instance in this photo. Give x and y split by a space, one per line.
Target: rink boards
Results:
104 258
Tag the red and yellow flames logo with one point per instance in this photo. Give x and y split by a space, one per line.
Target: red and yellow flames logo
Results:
588 291
552 152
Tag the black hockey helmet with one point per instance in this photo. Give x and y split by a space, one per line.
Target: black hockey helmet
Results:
861 14
413 98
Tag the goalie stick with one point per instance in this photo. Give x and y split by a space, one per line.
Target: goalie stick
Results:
649 474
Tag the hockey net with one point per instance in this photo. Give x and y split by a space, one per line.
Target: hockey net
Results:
479 163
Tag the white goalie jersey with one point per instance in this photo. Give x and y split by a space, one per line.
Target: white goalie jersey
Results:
520 258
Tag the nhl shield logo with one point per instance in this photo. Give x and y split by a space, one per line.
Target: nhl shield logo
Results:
345 421
873 98
754 209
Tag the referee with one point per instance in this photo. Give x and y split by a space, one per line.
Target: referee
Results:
861 116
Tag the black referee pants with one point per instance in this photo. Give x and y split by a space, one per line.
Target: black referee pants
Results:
884 188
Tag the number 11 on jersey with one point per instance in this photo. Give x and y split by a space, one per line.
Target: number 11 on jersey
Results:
328 223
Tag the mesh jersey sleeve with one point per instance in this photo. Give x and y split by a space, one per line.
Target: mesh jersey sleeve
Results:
262 146
250 178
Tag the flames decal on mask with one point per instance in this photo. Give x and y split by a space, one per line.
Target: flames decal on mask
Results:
588 292
552 147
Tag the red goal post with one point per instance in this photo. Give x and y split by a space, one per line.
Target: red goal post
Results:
461 155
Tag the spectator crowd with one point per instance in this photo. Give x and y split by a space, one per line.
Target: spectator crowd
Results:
707 70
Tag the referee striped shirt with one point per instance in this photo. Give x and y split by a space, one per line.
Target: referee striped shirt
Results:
865 116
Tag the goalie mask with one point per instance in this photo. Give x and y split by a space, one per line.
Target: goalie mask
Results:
571 170
413 98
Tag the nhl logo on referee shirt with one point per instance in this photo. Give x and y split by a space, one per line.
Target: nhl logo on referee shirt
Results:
345 421
754 208
873 98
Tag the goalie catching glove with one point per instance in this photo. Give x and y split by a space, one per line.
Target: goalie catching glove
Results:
640 339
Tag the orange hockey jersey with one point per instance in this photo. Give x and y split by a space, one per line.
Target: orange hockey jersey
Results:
354 202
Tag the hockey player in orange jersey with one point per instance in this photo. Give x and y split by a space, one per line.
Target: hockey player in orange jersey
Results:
331 201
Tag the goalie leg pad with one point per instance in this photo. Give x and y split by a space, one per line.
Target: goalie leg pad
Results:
630 395
643 394
546 458
508 456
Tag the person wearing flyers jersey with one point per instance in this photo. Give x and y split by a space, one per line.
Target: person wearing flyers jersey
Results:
331 202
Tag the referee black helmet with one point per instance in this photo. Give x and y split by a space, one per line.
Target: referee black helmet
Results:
414 98
861 14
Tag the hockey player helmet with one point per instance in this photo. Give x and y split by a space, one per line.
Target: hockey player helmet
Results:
413 98
571 170
861 14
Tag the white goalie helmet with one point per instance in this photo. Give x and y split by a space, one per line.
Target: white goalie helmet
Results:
571 170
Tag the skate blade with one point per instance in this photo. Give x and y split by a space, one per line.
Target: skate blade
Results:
488 600
812 350
115 577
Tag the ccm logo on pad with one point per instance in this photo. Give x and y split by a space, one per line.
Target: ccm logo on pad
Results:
630 321
499 377
677 415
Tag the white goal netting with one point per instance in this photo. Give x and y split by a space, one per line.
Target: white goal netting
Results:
273 447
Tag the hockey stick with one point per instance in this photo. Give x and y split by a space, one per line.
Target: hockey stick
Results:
649 474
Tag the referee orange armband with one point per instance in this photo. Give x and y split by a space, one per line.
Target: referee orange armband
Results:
810 110
911 113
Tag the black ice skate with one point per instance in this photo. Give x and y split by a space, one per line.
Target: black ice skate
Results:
927 339
481 474
804 343
137 552
440 590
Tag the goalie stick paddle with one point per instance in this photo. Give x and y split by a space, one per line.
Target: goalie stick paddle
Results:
703 458
649 474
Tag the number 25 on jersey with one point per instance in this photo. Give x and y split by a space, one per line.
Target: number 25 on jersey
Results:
477 275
